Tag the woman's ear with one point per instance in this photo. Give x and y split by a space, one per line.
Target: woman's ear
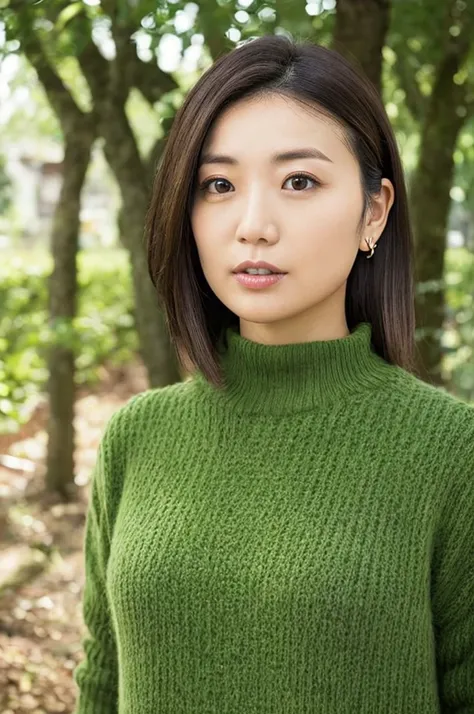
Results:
377 215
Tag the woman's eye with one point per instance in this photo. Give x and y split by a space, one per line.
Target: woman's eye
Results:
299 182
221 185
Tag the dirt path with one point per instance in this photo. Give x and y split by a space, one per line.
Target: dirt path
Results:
41 623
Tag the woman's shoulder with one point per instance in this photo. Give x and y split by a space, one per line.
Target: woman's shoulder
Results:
151 406
437 429
436 419
436 400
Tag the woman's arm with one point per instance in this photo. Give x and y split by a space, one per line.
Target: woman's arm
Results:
97 674
453 596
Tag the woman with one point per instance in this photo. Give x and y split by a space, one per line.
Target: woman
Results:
291 529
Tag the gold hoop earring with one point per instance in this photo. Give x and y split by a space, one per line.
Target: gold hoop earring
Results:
371 247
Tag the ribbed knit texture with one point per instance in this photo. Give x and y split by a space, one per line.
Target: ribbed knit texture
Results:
301 543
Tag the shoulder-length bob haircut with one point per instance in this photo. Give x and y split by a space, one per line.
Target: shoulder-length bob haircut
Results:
379 291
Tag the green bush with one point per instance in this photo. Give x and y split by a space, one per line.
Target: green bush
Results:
103 331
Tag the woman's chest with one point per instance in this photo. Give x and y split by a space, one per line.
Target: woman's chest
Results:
253 532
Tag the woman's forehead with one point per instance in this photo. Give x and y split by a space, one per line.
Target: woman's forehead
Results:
265 127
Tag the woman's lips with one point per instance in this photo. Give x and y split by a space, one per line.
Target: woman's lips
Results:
257 282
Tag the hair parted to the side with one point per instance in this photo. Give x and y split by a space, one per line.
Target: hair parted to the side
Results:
379 291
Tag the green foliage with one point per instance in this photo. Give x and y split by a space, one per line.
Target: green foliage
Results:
458 338
464 161
103 331
5 187
418 35
33 117
66 15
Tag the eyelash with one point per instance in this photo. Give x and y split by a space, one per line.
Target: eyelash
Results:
300 174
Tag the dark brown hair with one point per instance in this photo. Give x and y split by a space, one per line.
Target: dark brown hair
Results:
379 291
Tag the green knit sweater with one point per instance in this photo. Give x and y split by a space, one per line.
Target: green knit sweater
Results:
300 543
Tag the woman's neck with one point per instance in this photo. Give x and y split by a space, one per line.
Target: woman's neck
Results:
278 379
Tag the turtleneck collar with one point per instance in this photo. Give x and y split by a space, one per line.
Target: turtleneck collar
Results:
278 379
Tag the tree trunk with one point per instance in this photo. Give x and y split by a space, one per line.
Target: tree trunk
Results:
430 201
122 155
62 309
79 132
359 34
445 115
132 175
155 349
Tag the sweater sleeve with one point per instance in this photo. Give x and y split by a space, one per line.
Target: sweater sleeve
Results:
97 674
453 597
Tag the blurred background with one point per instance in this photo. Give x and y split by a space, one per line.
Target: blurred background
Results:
88 92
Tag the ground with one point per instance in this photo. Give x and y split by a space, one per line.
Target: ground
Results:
41 621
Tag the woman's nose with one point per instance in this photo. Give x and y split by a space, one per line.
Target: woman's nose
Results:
256 223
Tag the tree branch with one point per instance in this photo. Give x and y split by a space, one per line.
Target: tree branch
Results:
120 147
416 101
58 94
148 78
96 71
359 34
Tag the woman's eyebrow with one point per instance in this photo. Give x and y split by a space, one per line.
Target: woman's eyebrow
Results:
292 154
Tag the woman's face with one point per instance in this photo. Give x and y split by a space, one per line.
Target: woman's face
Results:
251 204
